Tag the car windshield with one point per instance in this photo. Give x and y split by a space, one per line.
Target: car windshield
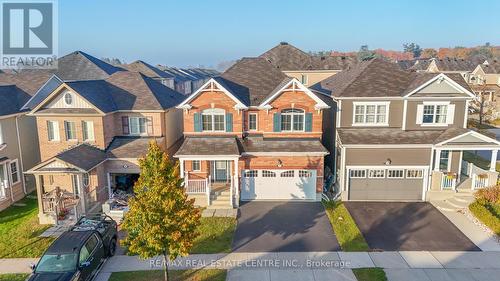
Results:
57 263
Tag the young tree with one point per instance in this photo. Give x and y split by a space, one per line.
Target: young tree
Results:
365 53
412 48
429 53
161 221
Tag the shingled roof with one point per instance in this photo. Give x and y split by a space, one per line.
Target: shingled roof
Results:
384 136
289 58
79 65
377 78
493 67
83 156
147 69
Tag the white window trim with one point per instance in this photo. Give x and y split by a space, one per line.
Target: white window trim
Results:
390 169
3 192
138 126
435 103
55 130
67 93
66 132
212 112
304 81
199 165
377 169
17 172
364 124
256 121
420 177
91 136
292 114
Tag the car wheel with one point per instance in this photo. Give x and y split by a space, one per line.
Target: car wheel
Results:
112 248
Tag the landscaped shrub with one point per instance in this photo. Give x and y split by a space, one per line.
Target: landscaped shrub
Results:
484 214
489 194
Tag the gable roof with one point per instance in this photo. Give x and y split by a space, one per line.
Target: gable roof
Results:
492 67
288 57
378 78
147 69
79 65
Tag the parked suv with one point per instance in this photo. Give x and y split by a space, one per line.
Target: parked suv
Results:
78 253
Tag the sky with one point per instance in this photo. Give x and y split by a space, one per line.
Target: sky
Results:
193 33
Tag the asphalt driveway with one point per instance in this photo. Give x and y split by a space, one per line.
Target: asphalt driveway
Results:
396 226
283 227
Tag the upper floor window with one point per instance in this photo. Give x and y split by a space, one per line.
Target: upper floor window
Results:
435 114
292 120
138 125
88 130
303 79
53 130
371 114
70 130
213 120
252 121
68 98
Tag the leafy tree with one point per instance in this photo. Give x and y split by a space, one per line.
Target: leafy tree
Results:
161 220
412 48
429 53
365 53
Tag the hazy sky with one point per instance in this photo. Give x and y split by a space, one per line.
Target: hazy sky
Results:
191 33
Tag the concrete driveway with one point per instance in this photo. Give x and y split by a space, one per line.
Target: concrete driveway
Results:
283 227
396 226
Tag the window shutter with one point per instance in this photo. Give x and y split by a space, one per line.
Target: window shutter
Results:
420 114
277 122
125 126
308 122
450 114
150 125
229 122
197 122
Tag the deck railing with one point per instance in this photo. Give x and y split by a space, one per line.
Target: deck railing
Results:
196 186
448 181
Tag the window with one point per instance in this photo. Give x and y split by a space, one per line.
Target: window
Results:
305 174
395 173
292 120
86 179
303 79
3 180
287 174
213 120
1 135
70 129
196 165
357 173
268 174
434 114
138 125
371 113
53 130
250 174
252 121
444 160
68 98
14 172
88 130
376 173
414 174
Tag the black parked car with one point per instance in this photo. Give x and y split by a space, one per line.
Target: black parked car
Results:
78 253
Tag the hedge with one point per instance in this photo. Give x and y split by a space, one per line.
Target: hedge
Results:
483 214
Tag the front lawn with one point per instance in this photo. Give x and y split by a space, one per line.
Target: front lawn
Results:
216 236
19 231
174 275
370 274
13 277
345 228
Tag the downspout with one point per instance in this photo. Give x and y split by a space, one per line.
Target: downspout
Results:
20 158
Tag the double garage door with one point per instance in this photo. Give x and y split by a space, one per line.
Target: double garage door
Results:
386 184
278 185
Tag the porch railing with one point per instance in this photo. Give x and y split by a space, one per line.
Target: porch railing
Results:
448 181
479 181
198 186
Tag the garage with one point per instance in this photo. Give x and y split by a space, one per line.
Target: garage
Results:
278 185
386 184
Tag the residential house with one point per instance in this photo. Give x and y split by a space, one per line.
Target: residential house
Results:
163 77
91 133
253 133
485 81
446 65
401 135
308 69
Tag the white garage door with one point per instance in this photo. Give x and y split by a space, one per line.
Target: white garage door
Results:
278 185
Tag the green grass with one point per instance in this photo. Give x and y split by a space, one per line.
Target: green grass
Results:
345 228
174 275
216 236
19 231
479 161
369 274
13 277
487 213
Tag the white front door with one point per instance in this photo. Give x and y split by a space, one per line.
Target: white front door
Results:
278 185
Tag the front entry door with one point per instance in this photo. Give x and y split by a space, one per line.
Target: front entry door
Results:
220 171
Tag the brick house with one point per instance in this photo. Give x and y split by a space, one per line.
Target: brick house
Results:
91 133
253 133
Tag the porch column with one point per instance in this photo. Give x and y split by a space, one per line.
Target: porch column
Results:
236 183
39 193
108 176
181 166
493 162
437 160
81 193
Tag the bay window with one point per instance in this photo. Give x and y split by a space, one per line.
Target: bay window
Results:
371 113
292 120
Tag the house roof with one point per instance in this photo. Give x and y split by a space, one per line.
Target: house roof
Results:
287 57
205 146
454 64
79 65
384 136
83 156
493 67
252 80
12 99
281 145
130 147
378 78
147 69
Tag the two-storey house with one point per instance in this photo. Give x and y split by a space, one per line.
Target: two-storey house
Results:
252 134
485 81
401 134
91 133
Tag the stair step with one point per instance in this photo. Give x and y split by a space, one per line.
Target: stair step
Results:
456 204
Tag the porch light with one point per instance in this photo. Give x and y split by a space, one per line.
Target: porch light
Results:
280 163
388 162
